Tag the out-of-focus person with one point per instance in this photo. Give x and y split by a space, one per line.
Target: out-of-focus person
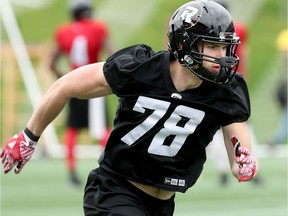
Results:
82 42
280 134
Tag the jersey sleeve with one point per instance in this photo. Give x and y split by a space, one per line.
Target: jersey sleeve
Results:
120 67
240 109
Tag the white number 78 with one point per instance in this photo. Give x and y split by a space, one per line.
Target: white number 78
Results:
170 127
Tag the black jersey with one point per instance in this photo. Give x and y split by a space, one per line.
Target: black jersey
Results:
160 134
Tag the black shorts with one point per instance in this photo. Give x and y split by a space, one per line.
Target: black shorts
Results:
107 195
78 113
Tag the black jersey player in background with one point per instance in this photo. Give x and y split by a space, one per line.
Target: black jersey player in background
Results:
171 103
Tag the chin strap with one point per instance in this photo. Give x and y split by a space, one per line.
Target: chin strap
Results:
201 72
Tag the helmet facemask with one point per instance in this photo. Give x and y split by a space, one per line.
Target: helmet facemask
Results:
228 64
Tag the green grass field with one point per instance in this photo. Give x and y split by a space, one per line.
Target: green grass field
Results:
42 189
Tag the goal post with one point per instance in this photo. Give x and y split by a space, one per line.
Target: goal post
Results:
26 69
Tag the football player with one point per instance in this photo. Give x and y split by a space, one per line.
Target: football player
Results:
171 103
80 41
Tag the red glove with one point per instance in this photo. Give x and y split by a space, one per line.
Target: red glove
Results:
247 162
18 151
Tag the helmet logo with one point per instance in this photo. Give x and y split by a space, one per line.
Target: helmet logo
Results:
188 13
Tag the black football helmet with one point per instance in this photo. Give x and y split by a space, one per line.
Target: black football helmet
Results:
79 7
210 22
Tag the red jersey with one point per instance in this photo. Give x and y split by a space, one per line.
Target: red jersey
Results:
81 41
241 31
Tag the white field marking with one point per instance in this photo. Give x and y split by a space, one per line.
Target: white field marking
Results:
25 65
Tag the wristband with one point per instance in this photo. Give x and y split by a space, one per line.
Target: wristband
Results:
31 135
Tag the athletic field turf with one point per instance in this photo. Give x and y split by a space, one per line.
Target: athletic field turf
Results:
42 189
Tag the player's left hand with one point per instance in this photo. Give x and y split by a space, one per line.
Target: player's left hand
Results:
247 164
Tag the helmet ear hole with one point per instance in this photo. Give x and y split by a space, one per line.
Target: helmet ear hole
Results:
188 60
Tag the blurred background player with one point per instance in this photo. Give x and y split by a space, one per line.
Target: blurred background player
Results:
81 42
217 145
280 135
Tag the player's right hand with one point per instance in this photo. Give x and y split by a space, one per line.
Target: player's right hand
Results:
17 151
